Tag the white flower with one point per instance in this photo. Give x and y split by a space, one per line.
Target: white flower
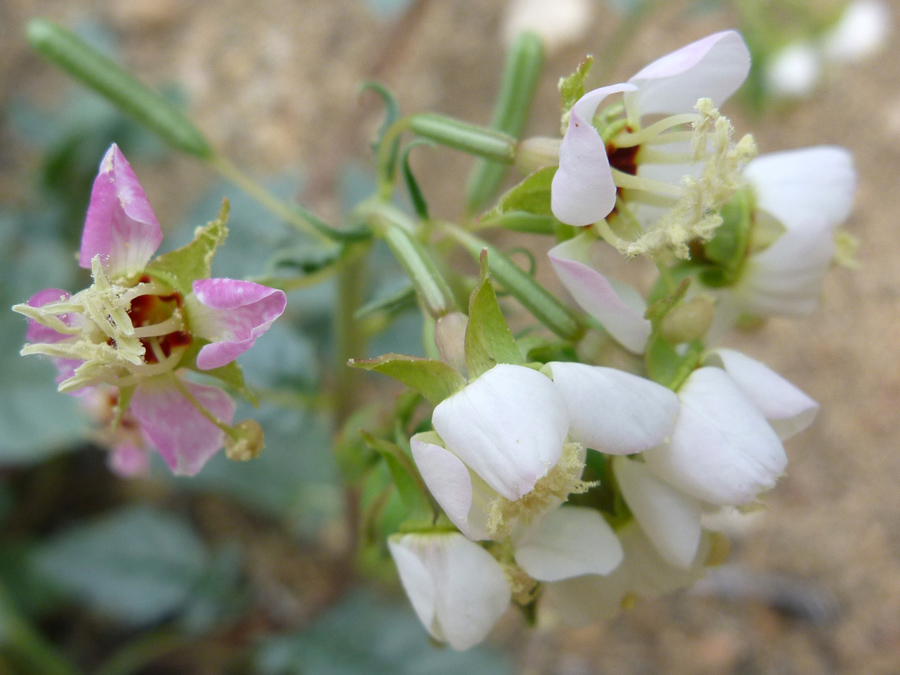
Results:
861 32
675 179
809 192
510 446
723 449
457 589
588 598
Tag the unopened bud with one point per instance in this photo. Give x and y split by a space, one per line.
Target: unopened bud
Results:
246 443
450 339
537 152
688 322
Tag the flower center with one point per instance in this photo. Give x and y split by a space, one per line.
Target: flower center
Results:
119 333
554 488
707 163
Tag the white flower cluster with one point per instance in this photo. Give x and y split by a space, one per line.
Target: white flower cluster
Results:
587 484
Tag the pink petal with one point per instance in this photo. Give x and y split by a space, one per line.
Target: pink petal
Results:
183 436
38 332
128 461
583 190
620 309
713 67
232 315
120 226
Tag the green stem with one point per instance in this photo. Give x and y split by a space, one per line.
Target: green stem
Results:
146 649
351 343
26 647
534 297
294 214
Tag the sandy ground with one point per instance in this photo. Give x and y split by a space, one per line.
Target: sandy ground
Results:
274 85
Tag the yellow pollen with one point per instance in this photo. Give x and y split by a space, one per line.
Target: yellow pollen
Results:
555 487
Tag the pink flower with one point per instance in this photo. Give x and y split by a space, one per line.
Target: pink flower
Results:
132 329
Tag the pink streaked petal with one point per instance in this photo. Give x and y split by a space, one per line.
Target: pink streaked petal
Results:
128 461
183 436
613 411
713 67
619 308
120 227
787 408
806 186
40 333
232 315
583 190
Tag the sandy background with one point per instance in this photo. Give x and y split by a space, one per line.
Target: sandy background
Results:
274 82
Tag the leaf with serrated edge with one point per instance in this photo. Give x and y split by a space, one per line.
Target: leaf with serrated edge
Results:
571 88
181 267
488 338
435 380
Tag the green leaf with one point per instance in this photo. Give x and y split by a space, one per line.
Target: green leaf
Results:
488 338
405 475
520 221
435 380
728 246
412 186
532 195
363 636
181 267
231 374
571 88
136 564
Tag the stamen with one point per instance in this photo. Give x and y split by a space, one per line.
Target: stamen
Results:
629 182
171 325
50 320
630 139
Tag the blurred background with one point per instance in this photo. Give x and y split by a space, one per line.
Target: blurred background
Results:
238 570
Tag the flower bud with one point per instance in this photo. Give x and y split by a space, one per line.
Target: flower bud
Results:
689 321
450 338
537 152
247 442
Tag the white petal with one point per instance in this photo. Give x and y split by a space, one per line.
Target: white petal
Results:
787 408
449 482
713 67
794 71
558 23
650 573
862 31
799 187
619 308
670 518
584 600
723 450
457 589
786 278
613 411
569 542
508 426
583 190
